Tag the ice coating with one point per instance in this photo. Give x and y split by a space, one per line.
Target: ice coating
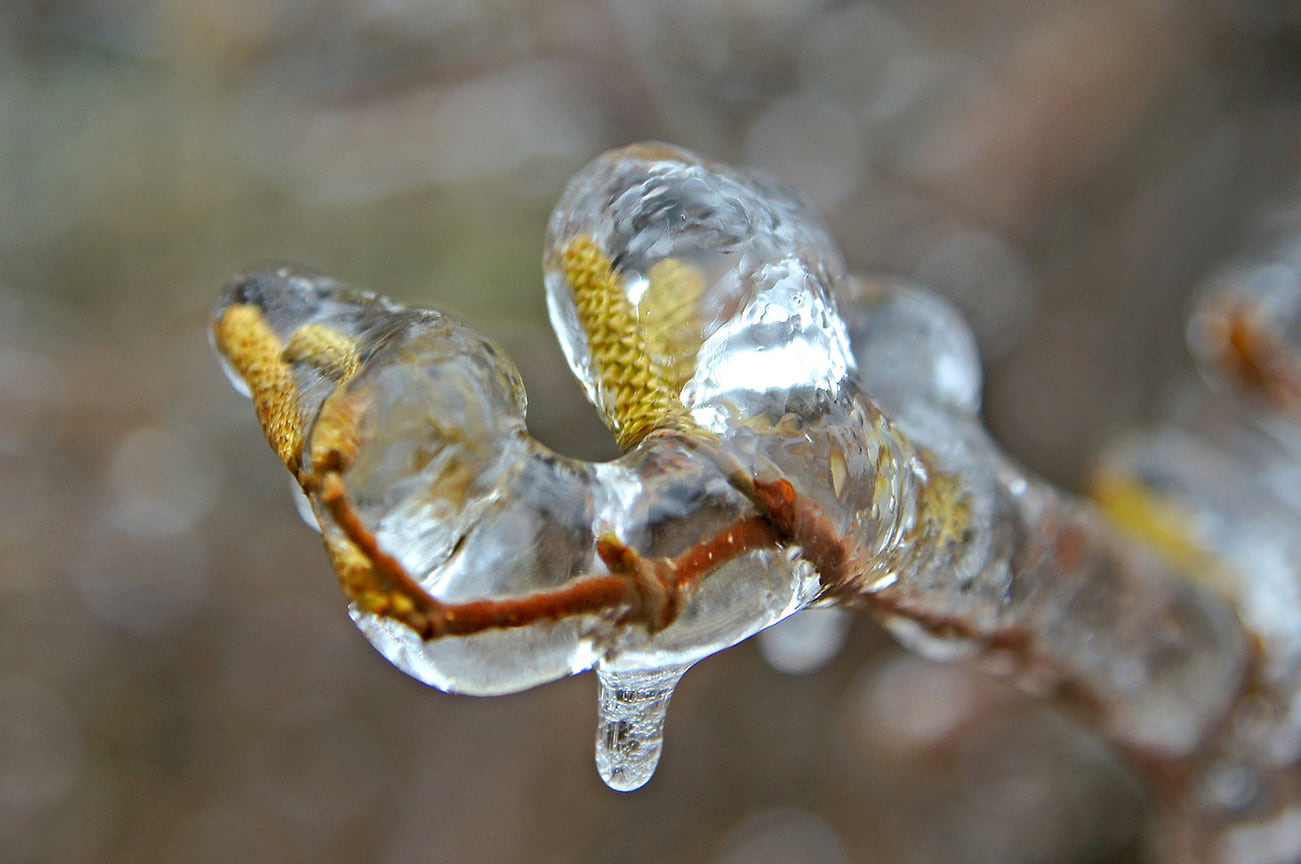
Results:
445 477
746 278
429 488
757 310
698 305
1041 575
1216 490
914 351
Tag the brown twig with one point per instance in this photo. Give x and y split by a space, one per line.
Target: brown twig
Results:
651 591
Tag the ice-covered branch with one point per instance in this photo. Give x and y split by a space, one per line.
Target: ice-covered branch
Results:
791 437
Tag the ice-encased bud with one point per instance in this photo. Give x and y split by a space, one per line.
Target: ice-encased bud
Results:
452 485
696 304
1215 489
260 318
693 297
429 418
727 278
438 465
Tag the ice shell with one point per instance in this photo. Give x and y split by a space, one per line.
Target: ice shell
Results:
487 664
912 347
766 319
1210 512
447 480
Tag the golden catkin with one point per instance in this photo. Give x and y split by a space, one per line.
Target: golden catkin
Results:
637 397
357 576
1161 523
336 437
254 349
332 353
669 312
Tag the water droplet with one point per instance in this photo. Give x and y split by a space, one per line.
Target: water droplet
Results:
630 734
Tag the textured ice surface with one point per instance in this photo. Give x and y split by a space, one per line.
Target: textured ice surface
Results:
764 326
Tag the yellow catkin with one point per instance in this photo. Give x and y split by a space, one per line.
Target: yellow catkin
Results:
335 435
636 396
1161 524
357 577
669 312
944 505
949 506
328 350
254 349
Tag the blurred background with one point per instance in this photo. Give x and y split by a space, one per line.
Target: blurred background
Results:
178 678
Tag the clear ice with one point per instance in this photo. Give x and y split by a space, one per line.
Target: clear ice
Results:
630 727
700 308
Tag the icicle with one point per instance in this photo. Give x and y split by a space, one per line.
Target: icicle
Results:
630 733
